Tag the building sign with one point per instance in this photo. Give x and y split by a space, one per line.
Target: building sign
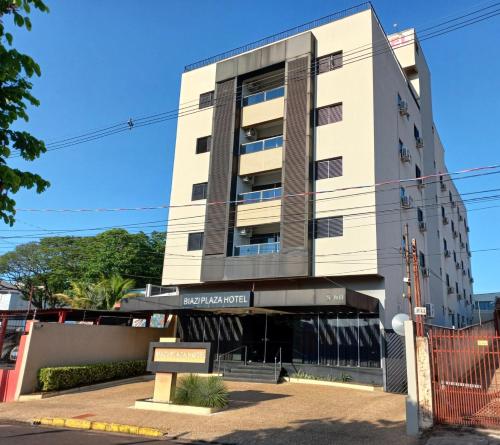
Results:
180 357
210 300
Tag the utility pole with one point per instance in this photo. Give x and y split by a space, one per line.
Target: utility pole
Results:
408 272
418 302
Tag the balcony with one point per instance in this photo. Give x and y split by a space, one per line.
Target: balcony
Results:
262 107
263 96
263 144
259 196
257 249
259 207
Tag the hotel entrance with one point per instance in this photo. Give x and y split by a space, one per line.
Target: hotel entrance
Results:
329 339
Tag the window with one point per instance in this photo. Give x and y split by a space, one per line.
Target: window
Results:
452 226
199 191
420 215
207 99
455 256
416 132
421 259
329 114
418 174
447 280
456 288
203 144
445 245
451 196
329 227
195 241
329 62
329 168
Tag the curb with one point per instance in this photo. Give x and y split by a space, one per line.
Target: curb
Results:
98 426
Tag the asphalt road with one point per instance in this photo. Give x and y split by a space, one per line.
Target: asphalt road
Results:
22 434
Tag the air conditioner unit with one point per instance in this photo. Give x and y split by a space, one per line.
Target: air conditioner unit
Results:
471 280
445 220
453 204
426 272
403 108
462 245
420 183
460 218
463 272
245 231
419 142
251 133
422 225
405 154
446 253
407 202
467 229
431 313
450 290
247 179
457 265
443 186
455 234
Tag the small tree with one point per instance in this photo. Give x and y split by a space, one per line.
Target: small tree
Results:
113 289
15 95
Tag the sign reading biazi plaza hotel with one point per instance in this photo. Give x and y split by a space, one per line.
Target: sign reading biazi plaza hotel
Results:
210 300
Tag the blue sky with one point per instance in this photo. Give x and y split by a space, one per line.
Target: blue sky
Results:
103 62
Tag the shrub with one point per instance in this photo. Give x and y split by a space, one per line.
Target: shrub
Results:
209 392
65 377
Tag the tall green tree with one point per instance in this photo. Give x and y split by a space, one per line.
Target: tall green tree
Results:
15 96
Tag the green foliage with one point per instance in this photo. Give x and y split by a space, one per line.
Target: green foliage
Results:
344 377
102 295
208 392
65 377
15 96
56 267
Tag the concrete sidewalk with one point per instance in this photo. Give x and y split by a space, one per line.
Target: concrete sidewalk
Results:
461 436
284 414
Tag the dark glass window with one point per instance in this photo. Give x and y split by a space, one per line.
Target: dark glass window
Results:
416 132
203 144
418 172
199 191
329 168
420 215
421 259
195 241
329 62
329 114
329 227
207 99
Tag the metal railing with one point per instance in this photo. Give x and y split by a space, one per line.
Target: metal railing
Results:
259 196
225 356
257 249
281 35
262 144
263 96
278 354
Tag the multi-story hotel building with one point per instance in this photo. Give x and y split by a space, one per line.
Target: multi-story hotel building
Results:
298 162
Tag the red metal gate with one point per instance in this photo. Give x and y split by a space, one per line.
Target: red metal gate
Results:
466 376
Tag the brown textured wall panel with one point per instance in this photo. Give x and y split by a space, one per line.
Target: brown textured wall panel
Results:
295 208
220 169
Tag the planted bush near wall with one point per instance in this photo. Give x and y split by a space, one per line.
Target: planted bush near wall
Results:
65 377
208 392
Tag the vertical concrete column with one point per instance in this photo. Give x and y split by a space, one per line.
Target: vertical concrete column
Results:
411 371
425 407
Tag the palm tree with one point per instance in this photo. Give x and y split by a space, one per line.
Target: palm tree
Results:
113 289
82 295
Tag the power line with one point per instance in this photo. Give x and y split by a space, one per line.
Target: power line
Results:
173 114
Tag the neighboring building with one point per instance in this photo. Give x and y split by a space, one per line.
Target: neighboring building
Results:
484 306
269 235
11 299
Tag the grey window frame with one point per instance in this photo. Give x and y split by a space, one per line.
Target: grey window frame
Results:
329 227
339 105
194 195
332 165
195 241
329 62
206 99
208 145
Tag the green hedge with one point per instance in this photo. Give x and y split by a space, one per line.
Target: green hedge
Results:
65 377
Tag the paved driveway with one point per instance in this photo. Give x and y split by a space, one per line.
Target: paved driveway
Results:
285 414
